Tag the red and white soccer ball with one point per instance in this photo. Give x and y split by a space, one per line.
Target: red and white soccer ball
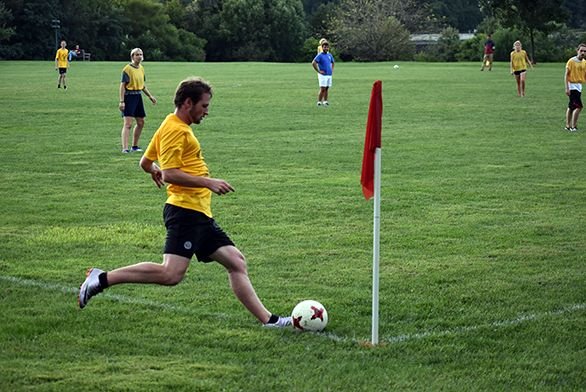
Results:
309 315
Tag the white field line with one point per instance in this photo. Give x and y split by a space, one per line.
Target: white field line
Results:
523 318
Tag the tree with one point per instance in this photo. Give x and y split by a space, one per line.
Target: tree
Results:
577 13
272 30
529 15
448 45
97 26
464 15
154 33
371 30
5 18
33 37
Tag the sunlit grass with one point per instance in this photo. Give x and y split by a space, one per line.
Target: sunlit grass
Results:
482 245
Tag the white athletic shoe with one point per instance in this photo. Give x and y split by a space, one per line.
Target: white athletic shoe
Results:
325 103
282 322
90 287
318 103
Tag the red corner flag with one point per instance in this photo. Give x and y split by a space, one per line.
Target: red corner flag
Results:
372 141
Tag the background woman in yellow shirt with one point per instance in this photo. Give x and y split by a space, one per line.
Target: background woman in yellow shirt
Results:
519 62
61 64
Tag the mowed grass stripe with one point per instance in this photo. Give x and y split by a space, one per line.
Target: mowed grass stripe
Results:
523 318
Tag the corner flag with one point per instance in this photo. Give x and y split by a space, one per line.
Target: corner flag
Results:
370 180
372 140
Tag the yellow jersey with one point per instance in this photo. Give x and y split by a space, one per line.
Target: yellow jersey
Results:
133 77
576 70
175 146
518 60
62 58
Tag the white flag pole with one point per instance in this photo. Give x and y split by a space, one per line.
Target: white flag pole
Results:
376 245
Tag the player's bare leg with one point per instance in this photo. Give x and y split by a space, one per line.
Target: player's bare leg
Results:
137 132
125 133
169 273
234 262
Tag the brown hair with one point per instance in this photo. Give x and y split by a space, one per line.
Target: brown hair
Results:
193 88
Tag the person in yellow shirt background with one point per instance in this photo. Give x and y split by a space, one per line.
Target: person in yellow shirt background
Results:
132 86
574 78
321 42
61 64
519 62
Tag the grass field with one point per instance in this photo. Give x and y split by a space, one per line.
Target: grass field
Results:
483 276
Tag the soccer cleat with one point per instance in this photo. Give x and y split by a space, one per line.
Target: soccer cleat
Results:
574 129
136 149
318 103
64 87
567 129
125 151
326 103
90 287
282 322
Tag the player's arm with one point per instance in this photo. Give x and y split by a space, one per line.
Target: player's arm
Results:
148 94
56 63
121 96
567 80
314 64
151 167
528 61
179 177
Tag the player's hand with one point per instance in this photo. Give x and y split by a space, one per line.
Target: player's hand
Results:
157 176
153 100
121 106
322 72
219 187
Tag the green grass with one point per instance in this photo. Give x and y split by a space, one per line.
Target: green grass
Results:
483 277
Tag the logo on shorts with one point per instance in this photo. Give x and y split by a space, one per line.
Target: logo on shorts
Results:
187 245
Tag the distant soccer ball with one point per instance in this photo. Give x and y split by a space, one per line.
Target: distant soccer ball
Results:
309 315
396 66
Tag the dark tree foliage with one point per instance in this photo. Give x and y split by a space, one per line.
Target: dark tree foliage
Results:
264 30
529 15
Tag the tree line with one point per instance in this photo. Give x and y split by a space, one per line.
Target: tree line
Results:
274 30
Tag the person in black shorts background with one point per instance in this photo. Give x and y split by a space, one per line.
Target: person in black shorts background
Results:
132 86
574 78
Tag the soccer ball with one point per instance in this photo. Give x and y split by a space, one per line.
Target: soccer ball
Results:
309 315
396 66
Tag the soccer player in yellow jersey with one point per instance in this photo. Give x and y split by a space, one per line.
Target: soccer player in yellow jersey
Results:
132 86
519 62
61 64
574 78
187 212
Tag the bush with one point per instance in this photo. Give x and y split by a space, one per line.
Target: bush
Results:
448 45
472 49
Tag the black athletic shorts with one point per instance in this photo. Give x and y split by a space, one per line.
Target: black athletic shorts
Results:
190 232
62 71
575 100
520 72
133 106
